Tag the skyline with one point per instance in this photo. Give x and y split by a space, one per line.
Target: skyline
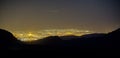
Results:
95 15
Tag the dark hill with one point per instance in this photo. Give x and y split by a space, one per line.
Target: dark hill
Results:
50 41
93 35
114 35
114 38
69 37
8 41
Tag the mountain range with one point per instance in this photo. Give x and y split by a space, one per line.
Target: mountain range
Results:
97 43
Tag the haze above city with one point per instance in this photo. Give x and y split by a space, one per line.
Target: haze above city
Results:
100 16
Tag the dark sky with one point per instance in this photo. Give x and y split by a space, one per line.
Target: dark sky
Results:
96 15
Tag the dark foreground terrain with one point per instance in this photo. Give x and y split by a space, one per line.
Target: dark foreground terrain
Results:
99 44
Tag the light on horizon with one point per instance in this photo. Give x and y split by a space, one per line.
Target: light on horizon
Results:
36 35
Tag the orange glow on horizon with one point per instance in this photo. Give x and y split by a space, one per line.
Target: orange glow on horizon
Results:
31 36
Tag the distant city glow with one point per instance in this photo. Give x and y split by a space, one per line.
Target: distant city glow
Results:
30 34
35 35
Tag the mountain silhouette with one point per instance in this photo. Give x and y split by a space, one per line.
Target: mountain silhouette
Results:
50 41
115 34
114 38
93 35
105 43
8 41
69 37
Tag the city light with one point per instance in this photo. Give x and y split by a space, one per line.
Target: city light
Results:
31 36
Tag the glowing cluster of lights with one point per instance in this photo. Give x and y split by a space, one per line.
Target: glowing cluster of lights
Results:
30 36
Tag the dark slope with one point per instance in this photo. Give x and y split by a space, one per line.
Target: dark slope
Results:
8 41
6 37
114 38
115 35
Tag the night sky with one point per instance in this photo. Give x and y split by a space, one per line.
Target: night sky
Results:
95 15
